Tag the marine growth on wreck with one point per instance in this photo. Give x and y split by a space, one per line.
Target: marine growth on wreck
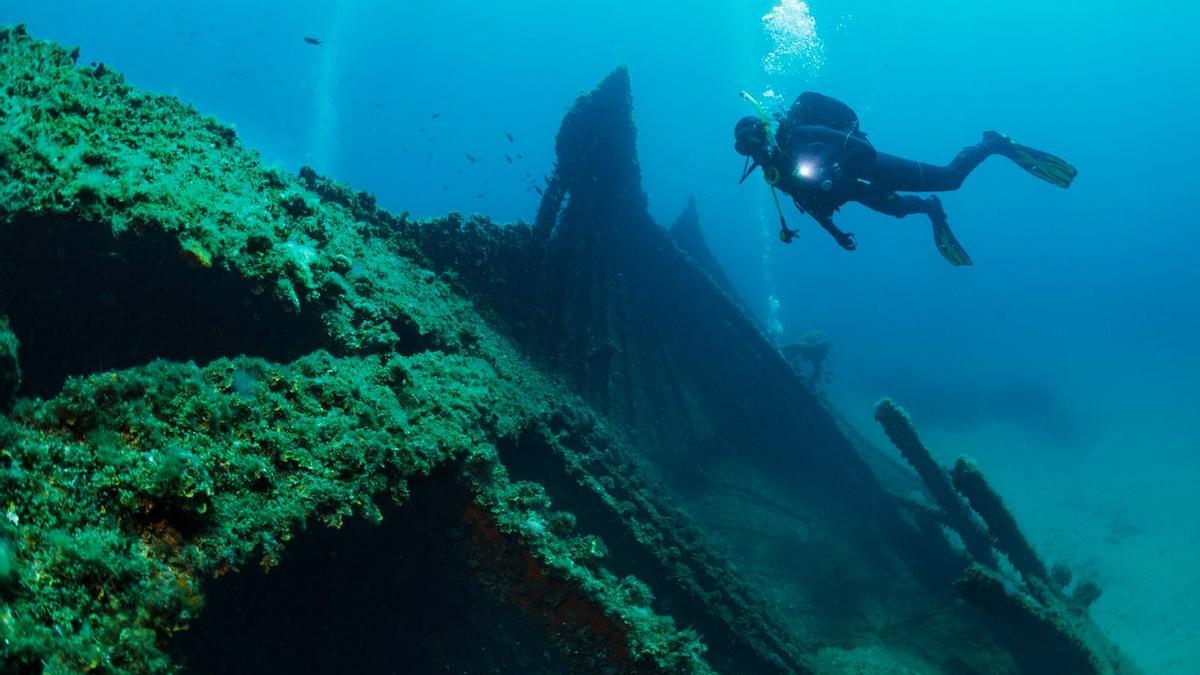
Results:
252 422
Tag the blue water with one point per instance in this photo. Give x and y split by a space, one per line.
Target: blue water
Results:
1065 359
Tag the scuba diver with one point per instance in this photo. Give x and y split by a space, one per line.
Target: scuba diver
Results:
822 160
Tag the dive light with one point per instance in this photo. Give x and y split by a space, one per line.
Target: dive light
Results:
811 170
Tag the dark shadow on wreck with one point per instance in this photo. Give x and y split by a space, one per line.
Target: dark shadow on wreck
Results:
398 597
87 301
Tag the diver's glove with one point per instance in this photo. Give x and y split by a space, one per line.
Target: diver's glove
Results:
787 235
846 240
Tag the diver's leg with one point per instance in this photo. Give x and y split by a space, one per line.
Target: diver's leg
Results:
896 173
892 204
891 173
899 206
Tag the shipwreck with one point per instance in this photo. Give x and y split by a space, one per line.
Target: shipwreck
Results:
251 422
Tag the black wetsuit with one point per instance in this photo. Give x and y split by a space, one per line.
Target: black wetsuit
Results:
822 168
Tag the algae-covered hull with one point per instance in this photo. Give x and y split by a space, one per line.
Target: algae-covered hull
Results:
253 423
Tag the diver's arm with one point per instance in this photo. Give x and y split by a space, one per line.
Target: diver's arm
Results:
844 239
824 218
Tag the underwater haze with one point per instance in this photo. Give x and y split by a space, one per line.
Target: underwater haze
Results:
1064 359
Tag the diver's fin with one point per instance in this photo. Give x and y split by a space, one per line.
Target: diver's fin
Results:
1053 170
947 244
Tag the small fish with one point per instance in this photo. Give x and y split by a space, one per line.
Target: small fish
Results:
445 187
508 158
431 139
510 138
434 116
539 190
520 156
421 130
480 196
470 157
312 40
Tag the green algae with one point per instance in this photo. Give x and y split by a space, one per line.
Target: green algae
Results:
81 141
128 490
130 487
